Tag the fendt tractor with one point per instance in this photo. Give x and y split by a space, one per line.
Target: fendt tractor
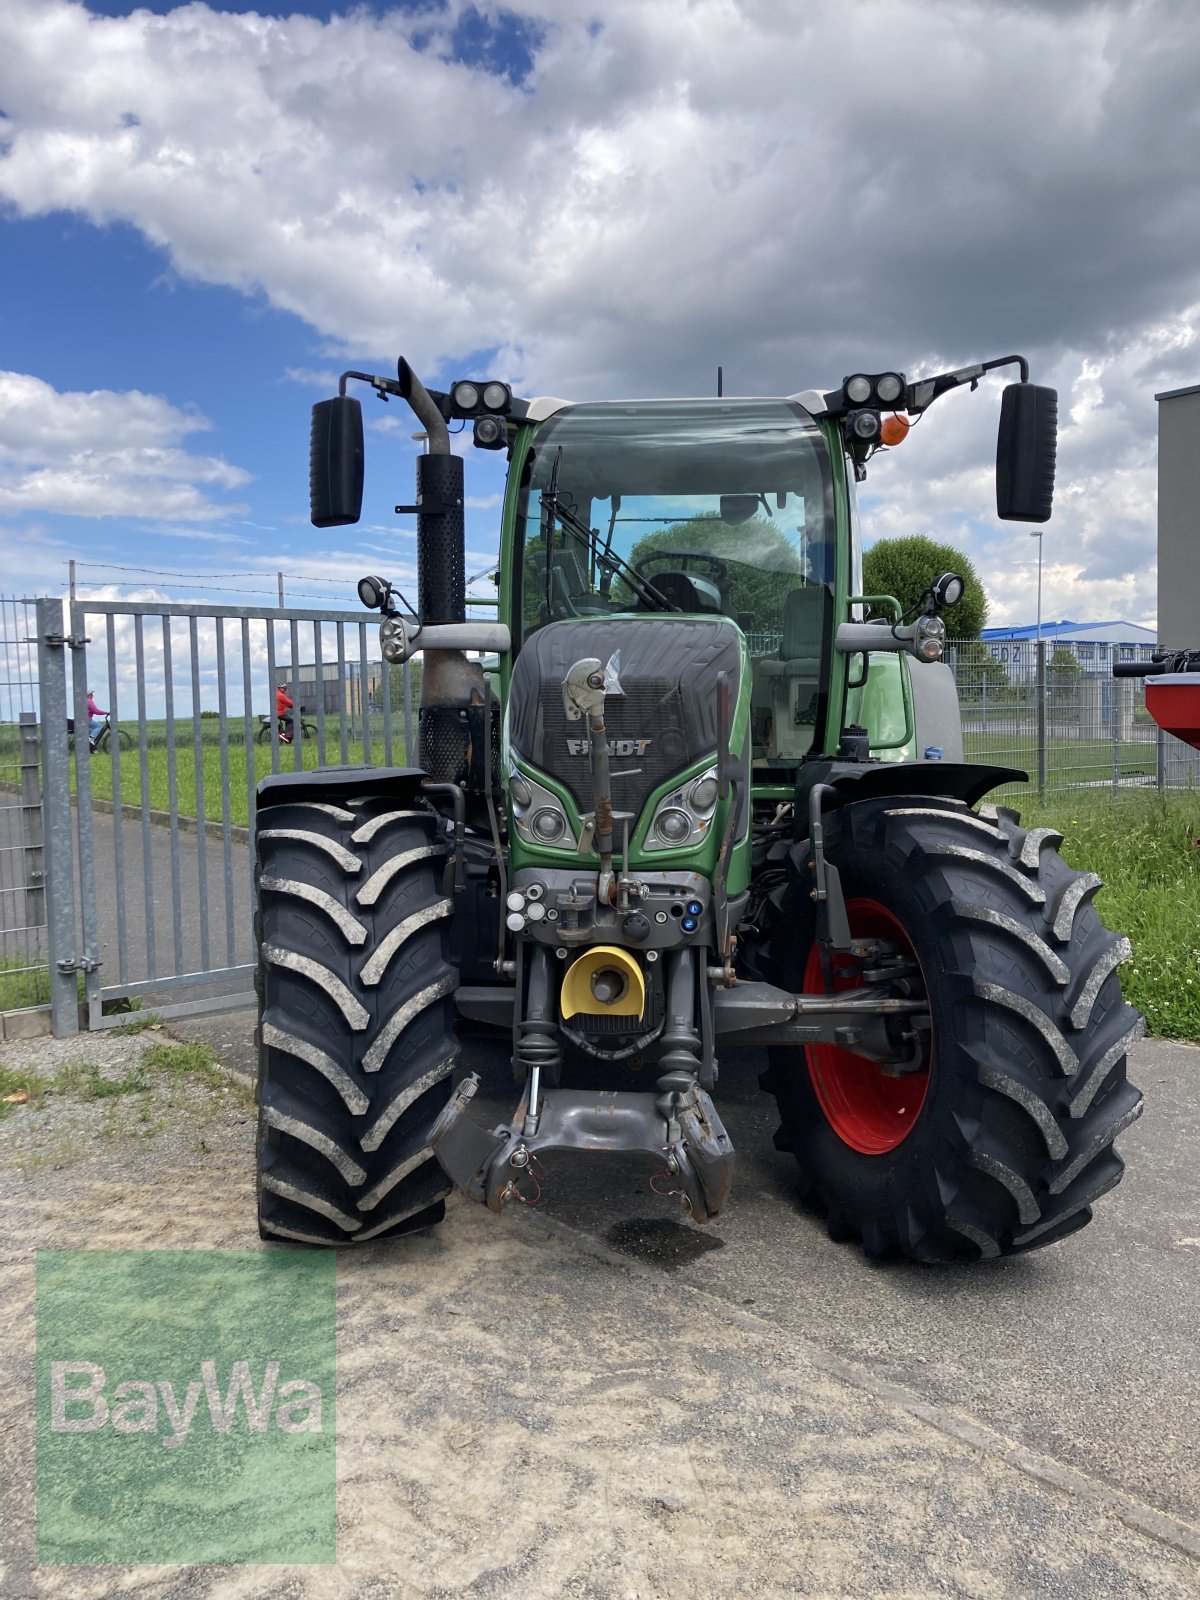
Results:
686 790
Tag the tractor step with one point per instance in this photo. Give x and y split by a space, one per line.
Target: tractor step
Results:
680 1128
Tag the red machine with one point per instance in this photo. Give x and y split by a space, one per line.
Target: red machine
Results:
1172 692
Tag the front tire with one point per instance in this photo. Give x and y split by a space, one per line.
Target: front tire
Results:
357 1043
1003 1140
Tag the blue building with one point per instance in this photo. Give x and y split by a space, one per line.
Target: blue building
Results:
1095 645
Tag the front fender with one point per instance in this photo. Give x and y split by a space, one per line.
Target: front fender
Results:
333 783
958 780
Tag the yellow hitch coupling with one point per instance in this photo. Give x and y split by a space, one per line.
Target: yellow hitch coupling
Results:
604 981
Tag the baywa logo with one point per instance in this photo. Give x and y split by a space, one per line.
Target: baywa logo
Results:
616 747
134 1407
185 1406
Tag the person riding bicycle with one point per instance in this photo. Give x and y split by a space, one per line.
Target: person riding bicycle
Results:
283 704
95 718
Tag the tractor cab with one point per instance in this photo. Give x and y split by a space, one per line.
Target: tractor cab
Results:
665 509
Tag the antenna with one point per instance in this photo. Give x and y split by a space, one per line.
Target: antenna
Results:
720 382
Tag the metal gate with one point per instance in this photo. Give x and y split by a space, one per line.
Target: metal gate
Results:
149 859
24 949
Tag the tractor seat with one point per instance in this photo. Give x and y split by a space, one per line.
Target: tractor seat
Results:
803 622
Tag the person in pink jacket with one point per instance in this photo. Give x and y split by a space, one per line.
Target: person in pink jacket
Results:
95 716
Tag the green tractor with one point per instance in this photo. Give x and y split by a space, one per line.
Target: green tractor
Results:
708 795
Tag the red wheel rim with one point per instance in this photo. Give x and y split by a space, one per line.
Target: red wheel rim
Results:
869 1111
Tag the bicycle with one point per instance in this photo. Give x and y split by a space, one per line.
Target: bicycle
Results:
104 736
308 730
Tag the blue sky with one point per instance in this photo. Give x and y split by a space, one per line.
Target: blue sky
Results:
206 212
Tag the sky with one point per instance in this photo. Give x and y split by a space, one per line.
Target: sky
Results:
209 211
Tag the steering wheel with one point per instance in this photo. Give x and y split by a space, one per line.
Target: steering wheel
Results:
681 561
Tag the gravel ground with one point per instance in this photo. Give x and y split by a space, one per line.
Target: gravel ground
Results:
522 1412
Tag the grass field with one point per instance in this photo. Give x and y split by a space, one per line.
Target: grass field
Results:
1069 762
157 770
1147 850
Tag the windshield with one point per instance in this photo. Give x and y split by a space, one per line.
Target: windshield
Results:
711 506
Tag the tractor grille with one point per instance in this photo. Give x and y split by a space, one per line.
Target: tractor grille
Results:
665 718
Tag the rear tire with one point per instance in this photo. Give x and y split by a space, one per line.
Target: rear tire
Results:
357 1042
1011 1139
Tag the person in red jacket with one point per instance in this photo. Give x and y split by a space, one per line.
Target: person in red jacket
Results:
283 704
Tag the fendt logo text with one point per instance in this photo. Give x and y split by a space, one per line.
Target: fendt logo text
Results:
616 747
80 1402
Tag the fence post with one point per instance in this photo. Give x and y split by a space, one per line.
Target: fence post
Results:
34 876
411 758
56 791
1041 718
1114 707
1160 758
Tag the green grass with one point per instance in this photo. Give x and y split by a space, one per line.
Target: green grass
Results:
20 988
1146 847
169 1064
1069 762
158 795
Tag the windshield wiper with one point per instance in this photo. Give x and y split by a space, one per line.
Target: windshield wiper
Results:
605 558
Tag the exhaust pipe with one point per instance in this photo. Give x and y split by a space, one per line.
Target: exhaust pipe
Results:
453 689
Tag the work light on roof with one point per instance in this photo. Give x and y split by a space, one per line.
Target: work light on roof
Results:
858 389
889 386
496 396
864 424
465 396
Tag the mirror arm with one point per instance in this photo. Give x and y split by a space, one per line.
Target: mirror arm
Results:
920 395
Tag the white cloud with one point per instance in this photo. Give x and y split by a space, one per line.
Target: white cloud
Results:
103 454
793 192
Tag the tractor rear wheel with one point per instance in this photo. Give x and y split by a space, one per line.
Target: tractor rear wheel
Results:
356 1024
1001 1139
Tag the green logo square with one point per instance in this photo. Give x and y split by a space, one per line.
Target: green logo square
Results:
185 1406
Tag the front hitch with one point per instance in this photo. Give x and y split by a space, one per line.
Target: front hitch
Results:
679 1126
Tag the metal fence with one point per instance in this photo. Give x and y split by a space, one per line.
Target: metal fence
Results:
126 872
24 946
1067 726
148 862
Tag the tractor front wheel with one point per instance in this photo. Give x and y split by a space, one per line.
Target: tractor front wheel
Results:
998 1136
356 1025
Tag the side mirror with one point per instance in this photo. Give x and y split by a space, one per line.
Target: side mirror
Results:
1025 451
335 462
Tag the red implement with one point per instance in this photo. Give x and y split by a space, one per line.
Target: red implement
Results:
1173 700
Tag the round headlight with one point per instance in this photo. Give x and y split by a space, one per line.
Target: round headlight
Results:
889 388
704 794
865 425
948 589
495 396
547 825
673 825
372 592
519 789
465 396
490 432
858 389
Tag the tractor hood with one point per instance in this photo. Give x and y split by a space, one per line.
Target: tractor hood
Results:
660 705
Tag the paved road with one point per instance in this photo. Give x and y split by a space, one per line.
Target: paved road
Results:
1084 1355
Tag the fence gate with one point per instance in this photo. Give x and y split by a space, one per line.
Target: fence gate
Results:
148 805
24 943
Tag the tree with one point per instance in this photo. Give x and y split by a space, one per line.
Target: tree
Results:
762 562
906 567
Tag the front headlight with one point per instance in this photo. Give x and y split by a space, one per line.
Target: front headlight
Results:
684 817
539 815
